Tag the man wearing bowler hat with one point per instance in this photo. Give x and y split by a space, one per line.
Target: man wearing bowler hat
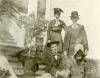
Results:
76 35
54 59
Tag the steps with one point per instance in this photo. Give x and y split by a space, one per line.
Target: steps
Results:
8 45
93 65
10 52
41 72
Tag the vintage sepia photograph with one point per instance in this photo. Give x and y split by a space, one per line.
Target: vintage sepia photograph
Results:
49 39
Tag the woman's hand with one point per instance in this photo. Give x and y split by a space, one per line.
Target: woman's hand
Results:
49 41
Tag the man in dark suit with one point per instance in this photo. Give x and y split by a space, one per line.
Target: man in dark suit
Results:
54 59
76 35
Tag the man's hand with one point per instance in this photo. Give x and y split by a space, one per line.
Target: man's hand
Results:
57 73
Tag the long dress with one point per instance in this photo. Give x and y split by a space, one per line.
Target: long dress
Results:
54 33
76 35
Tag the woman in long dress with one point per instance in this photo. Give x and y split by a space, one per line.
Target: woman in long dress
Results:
55 28
76 35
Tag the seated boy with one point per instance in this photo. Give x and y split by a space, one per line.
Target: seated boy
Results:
54 59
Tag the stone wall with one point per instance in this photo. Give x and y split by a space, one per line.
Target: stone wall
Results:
41 9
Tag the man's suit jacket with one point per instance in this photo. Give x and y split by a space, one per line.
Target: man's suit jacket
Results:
75 36
54 65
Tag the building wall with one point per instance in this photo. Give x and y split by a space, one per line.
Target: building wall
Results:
41 8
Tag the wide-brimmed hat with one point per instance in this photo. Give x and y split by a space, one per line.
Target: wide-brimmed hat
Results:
58 10
74 15
52 42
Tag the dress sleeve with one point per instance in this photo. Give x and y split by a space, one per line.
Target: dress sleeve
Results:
67 40
48 31
64 26
84 39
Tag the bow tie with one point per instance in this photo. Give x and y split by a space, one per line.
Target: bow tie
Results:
57 23
55 54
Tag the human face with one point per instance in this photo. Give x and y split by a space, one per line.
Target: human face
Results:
57 15
54 48
74 20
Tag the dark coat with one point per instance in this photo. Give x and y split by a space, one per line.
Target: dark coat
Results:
53 65
75 36
54 32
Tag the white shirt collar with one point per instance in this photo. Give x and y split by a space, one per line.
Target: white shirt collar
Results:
74 25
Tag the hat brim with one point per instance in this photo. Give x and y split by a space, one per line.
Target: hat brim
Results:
50 43
58 10
75 16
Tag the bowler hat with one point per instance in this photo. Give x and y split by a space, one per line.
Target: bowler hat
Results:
57 10
52 42
74 14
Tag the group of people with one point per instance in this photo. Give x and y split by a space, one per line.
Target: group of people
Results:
63 59
66 59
